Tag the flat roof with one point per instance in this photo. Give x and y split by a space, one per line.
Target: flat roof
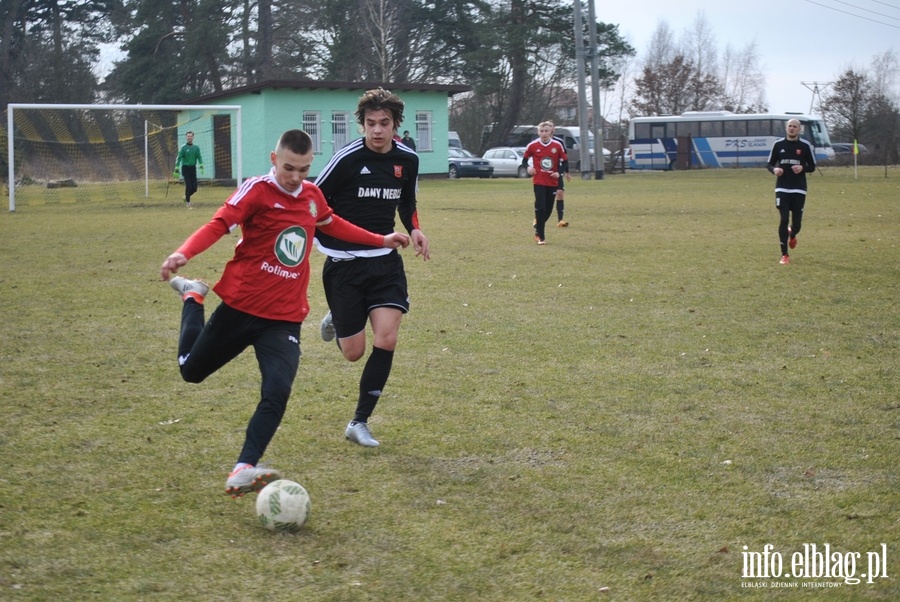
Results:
449 89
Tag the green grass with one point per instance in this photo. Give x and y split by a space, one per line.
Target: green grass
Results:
625 408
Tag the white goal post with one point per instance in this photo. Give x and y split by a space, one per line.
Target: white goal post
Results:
60 144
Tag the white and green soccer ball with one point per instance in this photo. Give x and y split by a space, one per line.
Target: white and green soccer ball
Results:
283 505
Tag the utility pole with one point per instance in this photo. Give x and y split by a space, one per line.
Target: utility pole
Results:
816 92
595 94
585 161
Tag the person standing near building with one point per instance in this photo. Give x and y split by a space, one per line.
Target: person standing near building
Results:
369 182
188 161
263 290
790 160
407 140
547 155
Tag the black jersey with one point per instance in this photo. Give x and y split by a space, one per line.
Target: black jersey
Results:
787 153
369 189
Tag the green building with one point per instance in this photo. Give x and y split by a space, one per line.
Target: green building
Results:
325 110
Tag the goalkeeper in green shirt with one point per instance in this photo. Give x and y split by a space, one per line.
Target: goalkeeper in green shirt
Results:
188 161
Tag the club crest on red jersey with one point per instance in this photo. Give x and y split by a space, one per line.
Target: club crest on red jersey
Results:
398 171
313 209
290 246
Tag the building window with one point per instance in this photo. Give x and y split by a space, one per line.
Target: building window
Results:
311 121
423 131
567 113
340 129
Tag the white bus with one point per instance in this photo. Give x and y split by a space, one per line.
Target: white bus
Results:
717 139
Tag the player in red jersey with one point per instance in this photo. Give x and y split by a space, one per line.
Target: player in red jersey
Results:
547 156
263 290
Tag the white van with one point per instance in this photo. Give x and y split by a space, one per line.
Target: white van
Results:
453 140
571 136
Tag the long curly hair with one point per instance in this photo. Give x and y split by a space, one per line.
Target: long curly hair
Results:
380 99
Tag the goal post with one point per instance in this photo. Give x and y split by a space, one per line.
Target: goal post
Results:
114 150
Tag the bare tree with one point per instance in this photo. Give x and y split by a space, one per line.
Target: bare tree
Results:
882 129
624 88
384 25
886 75
744 85
674 88
698 44
846 107
662 48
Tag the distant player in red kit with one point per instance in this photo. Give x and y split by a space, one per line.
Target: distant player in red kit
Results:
548 156
263 290
790 160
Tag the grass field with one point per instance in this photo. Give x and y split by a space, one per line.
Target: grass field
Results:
624 414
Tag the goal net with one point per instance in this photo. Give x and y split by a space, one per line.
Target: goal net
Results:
58 153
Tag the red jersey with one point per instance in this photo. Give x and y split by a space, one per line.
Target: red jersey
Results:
545 158
269 274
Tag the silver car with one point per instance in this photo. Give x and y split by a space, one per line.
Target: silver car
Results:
507 161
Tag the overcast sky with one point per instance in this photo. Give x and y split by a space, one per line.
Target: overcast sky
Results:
797 40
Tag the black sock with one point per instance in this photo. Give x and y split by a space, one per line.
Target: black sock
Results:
372 381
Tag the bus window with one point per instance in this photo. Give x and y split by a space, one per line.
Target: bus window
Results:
760 127
735 128
687 128
658 130
710 129
641 130
815 133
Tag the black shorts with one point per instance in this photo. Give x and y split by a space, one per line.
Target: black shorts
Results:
561 183
789 201
355 287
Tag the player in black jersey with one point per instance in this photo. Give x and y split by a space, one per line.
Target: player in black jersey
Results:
369 183
790 160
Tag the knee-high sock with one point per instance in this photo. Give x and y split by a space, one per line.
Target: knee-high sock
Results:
372 381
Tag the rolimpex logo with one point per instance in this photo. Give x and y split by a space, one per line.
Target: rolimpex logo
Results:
290 246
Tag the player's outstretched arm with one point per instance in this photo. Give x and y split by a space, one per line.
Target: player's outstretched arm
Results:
199 241
172 264
336 226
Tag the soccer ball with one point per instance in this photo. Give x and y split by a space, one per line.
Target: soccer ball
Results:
283 505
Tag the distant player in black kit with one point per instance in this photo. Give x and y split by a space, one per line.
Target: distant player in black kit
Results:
790 160
369 182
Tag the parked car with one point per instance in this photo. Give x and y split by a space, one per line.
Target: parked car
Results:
569 136
615 159
507 161
464 164
846 148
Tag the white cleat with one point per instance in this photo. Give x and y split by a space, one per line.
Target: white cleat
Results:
326 328
186 287
358 432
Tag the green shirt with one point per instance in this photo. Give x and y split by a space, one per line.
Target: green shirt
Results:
189 155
